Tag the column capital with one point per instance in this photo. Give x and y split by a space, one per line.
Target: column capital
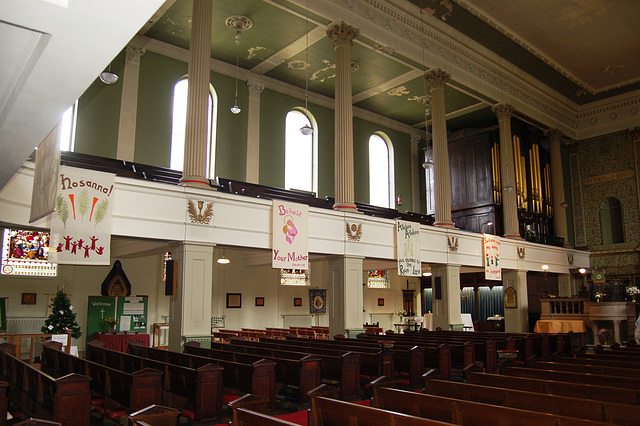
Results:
134 53
553 135
255 89
635 134
415 140
503 111
436 78
342 34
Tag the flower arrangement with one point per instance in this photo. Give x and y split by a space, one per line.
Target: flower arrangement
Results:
633 291
111 322
605 336
401 313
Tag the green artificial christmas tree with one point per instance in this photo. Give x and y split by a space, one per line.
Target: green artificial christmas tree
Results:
61 318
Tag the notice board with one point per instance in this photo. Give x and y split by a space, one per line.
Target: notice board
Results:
131 313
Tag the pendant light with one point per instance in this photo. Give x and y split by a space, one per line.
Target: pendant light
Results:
238 23
223 260
306 129
108 77
427 164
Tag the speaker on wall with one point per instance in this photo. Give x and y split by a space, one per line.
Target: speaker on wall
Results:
170 282
437 288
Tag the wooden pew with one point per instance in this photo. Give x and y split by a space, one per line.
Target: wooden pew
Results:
463 412
155 415
121 392
201 386
343 369
301 373
246 417
330 412
587 368
577 390
66 400
4 386
571 377
609 412
595 360
257 378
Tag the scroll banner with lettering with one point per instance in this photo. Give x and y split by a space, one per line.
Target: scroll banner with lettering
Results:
408 248
492 265
81 224
290 235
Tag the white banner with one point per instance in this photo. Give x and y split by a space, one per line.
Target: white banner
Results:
290 235
408 248
43 195
492 265
81 224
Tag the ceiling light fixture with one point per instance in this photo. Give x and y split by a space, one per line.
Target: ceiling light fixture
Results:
306 129
108 77
239 23
223 260
427 164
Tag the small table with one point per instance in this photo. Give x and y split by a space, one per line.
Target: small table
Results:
118 342
561 326
404 326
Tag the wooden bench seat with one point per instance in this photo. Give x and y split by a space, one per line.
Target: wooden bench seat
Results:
66 399
609 412
595 360
463 412
587 368
571 377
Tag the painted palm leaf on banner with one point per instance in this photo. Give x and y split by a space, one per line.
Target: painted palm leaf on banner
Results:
101 211
62 209
83 203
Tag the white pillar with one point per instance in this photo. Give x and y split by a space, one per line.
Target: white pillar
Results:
129 105
516 320
436 79
564 285
190 307
195 140
416 166
446 310
342 36
557 186
346 295
507 171
253 132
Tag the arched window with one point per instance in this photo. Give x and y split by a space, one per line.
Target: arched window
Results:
381 175
611 221
68 128
178 126
300 152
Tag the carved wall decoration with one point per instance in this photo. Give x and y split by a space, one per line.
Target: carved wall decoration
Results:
570 258
521 252
354 232
453 242
202 213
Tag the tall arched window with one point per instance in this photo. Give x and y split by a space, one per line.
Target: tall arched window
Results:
611 221
68 128
300 152
381 174
178 126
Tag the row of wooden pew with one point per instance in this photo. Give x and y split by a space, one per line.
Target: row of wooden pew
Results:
313 332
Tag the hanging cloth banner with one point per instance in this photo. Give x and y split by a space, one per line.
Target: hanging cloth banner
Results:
408 248
81 224
492 265
290 235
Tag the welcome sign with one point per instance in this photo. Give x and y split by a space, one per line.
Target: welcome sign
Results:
408 248
290 235
492 265
81 223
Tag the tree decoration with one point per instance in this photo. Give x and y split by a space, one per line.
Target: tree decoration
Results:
62 317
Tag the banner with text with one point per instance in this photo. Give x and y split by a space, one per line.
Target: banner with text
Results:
81 224
408 248
492 265
290 235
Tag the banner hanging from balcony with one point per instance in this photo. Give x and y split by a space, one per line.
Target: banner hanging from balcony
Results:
408 248
492 265
290 235
81 224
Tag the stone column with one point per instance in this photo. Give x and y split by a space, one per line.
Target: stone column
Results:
557 186
129 106
416 166
190 307
195 141
436 79
579 228
446 310
564 285
507 171
516 320
342 36
345 290
253 132
635 137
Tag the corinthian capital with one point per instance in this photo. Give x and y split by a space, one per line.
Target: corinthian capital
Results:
436 78
134 53
255 89
503 111
553 135
341 34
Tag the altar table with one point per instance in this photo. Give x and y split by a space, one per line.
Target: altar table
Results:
561 326
118 342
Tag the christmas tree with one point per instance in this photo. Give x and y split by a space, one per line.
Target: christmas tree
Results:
61 318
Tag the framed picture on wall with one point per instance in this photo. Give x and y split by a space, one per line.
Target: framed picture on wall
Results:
297 301
234 300
259 301
380 302
28 298
510 298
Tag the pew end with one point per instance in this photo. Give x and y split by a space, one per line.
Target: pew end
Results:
156 415
252 402
245 417
325 390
